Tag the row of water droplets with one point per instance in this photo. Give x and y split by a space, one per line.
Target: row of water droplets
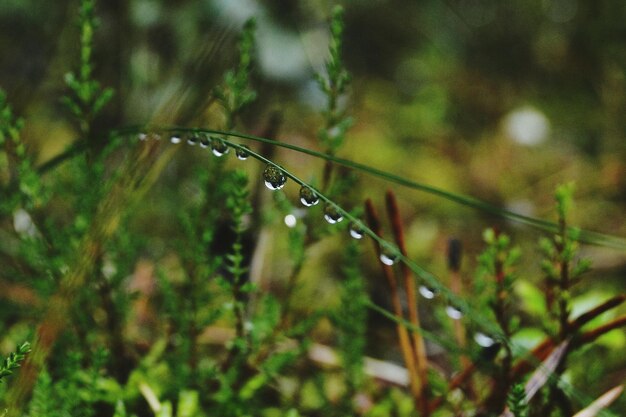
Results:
275 179
217 145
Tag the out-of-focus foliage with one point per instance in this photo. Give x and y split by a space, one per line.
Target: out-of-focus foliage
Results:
212 298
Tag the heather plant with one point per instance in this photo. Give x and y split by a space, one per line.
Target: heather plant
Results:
128 316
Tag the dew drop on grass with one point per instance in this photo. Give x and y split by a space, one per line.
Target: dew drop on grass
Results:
484 340
388 258
274 177
242 153
175 139
454 312
218 147
331 214
192 140
204 142
427 292
356 231
308 196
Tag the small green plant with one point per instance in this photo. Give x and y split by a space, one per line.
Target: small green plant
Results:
87 97
12 362
517 401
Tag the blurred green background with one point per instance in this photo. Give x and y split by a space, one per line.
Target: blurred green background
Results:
498 100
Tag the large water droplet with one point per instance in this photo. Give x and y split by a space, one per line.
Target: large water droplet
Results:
192 140
204 142
388 258
331 214
308 196
356 231
274 177
218 147
484 340
427 292
175 139
453 312
242 153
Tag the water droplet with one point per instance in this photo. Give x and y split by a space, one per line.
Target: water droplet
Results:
274 177
192 140
143 136
308 196
388 258
290 221
427 292
175 139
331 214
204 142
218 147
242 153
454 313
356 231
484 340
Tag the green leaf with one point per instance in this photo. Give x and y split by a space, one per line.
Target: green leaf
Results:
532 298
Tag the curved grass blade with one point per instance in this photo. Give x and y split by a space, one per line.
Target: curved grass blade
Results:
584 236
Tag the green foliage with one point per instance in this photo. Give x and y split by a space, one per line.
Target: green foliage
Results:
192 322
334 83
88 97
236 91
517 401
12 362
351 319
18 168
560 264
75 391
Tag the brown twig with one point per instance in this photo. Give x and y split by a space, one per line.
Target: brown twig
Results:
541 351
418 347
403 334
456 286
592 335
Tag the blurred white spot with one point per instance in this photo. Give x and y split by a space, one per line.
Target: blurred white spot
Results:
426 292
523 207
23 224
454 313
145 12
290 221
108 269
281 53
238 10
527 126
483 340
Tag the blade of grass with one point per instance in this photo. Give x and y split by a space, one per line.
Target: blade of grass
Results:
585 236
601 403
